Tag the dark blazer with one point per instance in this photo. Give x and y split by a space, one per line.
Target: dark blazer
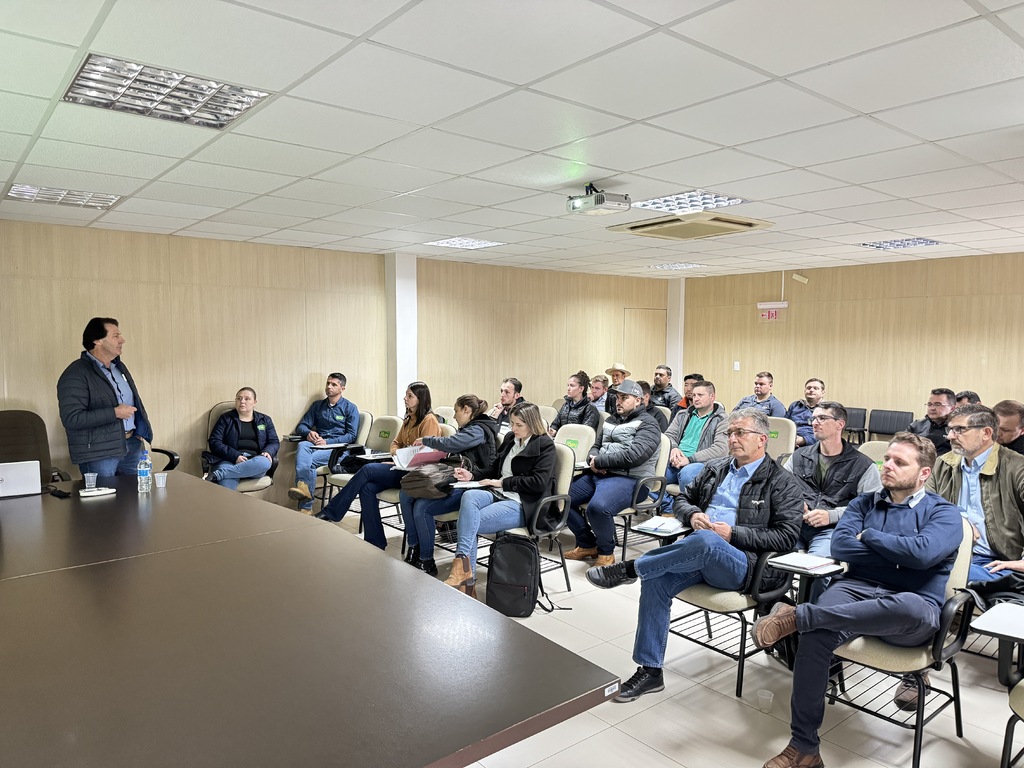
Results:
224 437
533 471
87 401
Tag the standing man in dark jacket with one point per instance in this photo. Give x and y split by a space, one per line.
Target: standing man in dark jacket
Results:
738 507
900 544
100 407
626 449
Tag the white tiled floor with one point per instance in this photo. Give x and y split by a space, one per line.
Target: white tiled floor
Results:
697 722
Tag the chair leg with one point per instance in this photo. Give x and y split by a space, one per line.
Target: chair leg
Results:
707 624
625 535
954 675
561 556
743 654
1007 757
918 720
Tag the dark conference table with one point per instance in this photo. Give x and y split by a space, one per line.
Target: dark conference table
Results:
196 626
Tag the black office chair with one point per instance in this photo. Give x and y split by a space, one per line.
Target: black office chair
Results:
889 422
169 461
23 438
856 424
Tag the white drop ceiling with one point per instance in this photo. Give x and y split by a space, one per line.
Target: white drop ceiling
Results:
394 123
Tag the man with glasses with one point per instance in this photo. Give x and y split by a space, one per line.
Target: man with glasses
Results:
738 507
986 481
941 401
833 473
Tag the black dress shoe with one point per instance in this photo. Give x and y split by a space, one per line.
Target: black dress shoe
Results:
427 566
640 683
412 555
608 576
324 516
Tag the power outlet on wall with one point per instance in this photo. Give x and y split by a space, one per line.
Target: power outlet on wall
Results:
735 365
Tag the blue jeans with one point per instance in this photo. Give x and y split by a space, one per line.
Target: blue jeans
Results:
898 618
703 556
116 465
307 459
682 476
607 496
229 474
419 517
480 513
978 571
366 484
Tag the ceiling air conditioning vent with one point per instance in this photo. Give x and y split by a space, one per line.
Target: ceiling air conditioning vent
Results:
691 226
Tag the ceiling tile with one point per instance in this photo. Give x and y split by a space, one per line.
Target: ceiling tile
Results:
350 18
552 121
775 35
826 143
998 5
336 228
664 11
6 169
48 211
1014 168
779 108
609 82
226 177
241 230
210 235
85 157
637 187
985 147
634 146
971 177
906 161
874 211
1015 18
12 146
373 79
258 219
426 207
19 113
916 220
445 152
326 192
33 67
263 155
711 170
934 65
994 210
226 42
123 227
974 197
317 125
289 207
983 109
377 174
475 192
536 206
535 37
380 219
119 130
82 181
166 223
493 217
164 208
297 237
564 226
440 229
186 193
773 185
543 172
60 22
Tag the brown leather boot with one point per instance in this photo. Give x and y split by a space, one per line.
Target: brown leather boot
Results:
461 576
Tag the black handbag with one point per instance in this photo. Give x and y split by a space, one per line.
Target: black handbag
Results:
429 481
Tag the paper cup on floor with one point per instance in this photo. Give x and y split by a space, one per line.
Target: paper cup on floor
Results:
764 700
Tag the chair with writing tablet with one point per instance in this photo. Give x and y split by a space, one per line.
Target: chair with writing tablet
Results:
249 485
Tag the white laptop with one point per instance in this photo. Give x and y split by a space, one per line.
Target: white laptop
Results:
19 478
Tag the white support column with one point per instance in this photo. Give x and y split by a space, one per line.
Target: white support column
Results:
402 341
674 330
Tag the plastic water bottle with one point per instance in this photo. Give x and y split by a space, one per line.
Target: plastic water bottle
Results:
145 470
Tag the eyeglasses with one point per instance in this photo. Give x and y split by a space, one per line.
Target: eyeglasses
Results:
959 430
822 418
936 405
742 432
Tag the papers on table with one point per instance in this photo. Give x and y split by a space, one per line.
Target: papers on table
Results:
415 455
660 526
374 456
801 562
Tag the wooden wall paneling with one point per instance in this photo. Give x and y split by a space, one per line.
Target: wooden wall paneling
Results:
643 339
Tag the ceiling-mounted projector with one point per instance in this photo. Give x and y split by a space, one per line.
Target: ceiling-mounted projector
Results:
597 203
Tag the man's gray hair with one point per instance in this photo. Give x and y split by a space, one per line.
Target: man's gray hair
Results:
756 415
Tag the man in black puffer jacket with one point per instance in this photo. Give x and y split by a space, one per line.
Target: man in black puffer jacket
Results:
738 508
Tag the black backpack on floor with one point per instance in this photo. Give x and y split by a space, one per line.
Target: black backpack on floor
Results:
513 575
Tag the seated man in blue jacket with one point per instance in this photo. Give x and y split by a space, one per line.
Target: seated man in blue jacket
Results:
331 420
900 544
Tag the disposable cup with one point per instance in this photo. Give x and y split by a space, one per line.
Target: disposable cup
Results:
161 479
90 479
764 700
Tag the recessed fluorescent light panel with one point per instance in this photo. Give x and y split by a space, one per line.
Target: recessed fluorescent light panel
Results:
464 242
125 86
890 245
689 202
29 194
677 265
